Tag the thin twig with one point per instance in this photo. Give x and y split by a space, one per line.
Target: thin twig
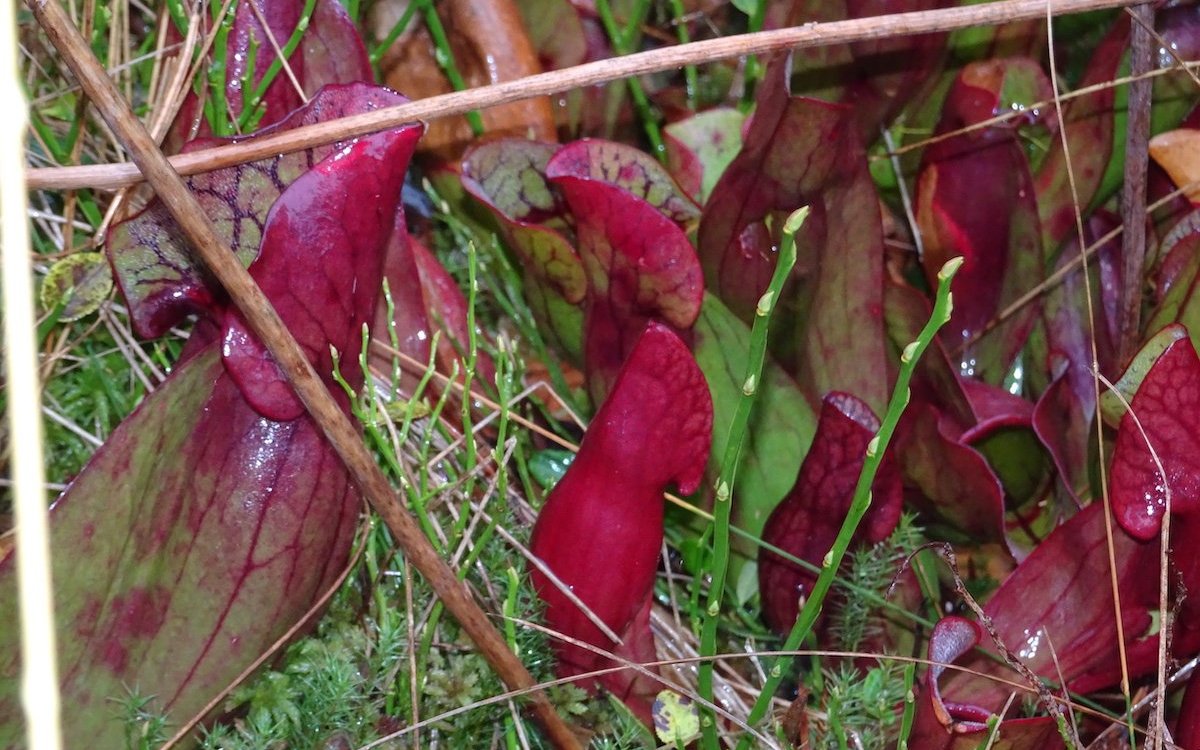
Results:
1133 195
270 329
112 176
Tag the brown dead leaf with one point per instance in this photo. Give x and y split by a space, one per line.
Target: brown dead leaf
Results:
490 45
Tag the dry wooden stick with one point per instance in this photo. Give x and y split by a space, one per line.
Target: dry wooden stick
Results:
112 176
1133 195
266 324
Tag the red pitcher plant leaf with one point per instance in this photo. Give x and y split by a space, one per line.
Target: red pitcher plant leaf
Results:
806 523
151 262
941 725
798 152
330 51
975 199
206 525
957 489
601 530
1060 598
1157 446
639 264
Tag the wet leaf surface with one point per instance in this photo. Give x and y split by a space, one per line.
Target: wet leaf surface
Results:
1157 451
601 529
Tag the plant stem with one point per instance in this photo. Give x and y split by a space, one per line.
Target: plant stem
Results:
690 76
445 59
381 49
727 474
862 491
621 45
754 69
252 112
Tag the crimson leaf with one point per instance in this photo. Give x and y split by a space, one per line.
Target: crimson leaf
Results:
1163 418
806 523
639 263
601 529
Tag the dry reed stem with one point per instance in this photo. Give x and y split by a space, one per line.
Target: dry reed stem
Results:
39 655
112 176
270 329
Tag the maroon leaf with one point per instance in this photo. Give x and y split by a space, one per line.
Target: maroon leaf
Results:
639 263
1061 595
601 529
804 152
1165 418
202 530
806 523
938 725
878 76
959 489
330 52
975 199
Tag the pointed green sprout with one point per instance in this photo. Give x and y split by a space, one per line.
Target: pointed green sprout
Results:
942 306
730 461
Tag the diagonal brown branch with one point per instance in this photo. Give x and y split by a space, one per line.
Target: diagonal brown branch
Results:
112 176
267 325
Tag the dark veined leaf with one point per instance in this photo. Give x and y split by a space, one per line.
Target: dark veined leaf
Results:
1157 453
806 523
1061 595
639 263
203 529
